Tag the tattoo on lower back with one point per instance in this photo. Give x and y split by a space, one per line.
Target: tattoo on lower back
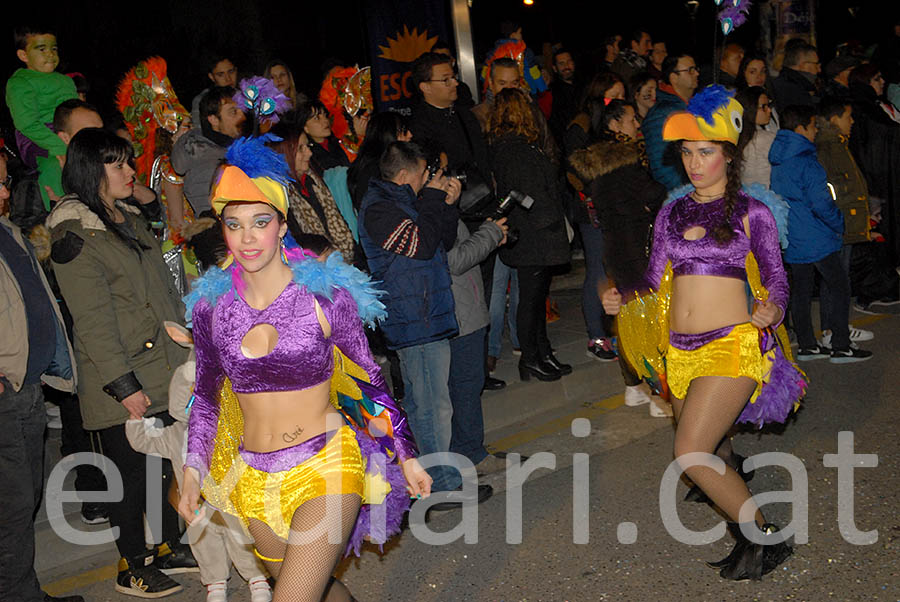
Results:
291 437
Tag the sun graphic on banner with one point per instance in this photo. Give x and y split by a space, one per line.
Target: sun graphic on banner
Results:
407 46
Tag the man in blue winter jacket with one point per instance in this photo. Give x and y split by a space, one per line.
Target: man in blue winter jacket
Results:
815 237
406 228
680 75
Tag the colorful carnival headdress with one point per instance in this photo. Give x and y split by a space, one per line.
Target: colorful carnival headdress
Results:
347 91
147 102
512 49
712 114
733 15
253 172
262 98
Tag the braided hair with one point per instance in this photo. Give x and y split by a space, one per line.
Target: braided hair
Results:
724 232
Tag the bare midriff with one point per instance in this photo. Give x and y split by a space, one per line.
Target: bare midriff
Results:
705 303
275 420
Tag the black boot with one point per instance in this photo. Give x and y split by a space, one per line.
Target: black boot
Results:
748 560
539 369
695 494
735 531
563 368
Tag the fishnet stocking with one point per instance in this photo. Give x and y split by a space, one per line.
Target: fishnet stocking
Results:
703 418
725 450
309 554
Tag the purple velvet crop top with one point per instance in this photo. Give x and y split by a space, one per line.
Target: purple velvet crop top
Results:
302 357
705 256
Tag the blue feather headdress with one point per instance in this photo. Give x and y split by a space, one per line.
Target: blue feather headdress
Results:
254 158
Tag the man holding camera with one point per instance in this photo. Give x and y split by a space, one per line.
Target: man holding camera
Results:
438 123
406 228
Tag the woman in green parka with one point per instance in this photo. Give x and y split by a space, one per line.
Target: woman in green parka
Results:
118 289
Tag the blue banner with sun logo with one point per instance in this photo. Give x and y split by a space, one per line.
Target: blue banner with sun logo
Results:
399 32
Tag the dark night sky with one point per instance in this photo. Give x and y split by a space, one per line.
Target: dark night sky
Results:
104 39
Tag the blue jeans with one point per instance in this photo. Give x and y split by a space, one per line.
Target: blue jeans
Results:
466 382
503 275
426 377
594 274
24 419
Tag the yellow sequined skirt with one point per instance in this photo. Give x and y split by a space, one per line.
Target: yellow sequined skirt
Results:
269 487
731 351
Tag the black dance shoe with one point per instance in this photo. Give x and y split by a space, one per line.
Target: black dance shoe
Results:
748 560
563 368
540 369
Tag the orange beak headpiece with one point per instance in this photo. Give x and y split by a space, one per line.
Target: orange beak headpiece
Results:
253 173
712 114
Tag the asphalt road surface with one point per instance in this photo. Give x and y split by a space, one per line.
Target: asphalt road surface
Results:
616 546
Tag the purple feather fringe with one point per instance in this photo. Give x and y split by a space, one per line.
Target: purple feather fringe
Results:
781 389
389 514
737 14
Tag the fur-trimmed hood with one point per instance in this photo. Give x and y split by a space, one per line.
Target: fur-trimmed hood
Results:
604 157
70 207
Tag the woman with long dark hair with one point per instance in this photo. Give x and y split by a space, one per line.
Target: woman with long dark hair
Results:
119 291
326 147
273 331
602 88
519 164
313 211
755 139
622 200
723 363
754 72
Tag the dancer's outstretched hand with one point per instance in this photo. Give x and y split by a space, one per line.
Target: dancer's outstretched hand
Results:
765 314
418 482
189 504
612 301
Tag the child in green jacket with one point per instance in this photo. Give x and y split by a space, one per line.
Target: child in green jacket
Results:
33 93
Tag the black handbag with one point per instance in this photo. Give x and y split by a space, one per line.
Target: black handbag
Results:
477 198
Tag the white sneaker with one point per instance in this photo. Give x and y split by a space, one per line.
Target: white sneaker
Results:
856 335
659 408
260 590
635 396
53 419
217 591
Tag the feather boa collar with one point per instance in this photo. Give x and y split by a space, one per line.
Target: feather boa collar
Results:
311 275
774 201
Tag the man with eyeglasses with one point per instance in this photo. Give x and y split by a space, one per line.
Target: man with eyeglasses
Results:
680 75
797 84
438 123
